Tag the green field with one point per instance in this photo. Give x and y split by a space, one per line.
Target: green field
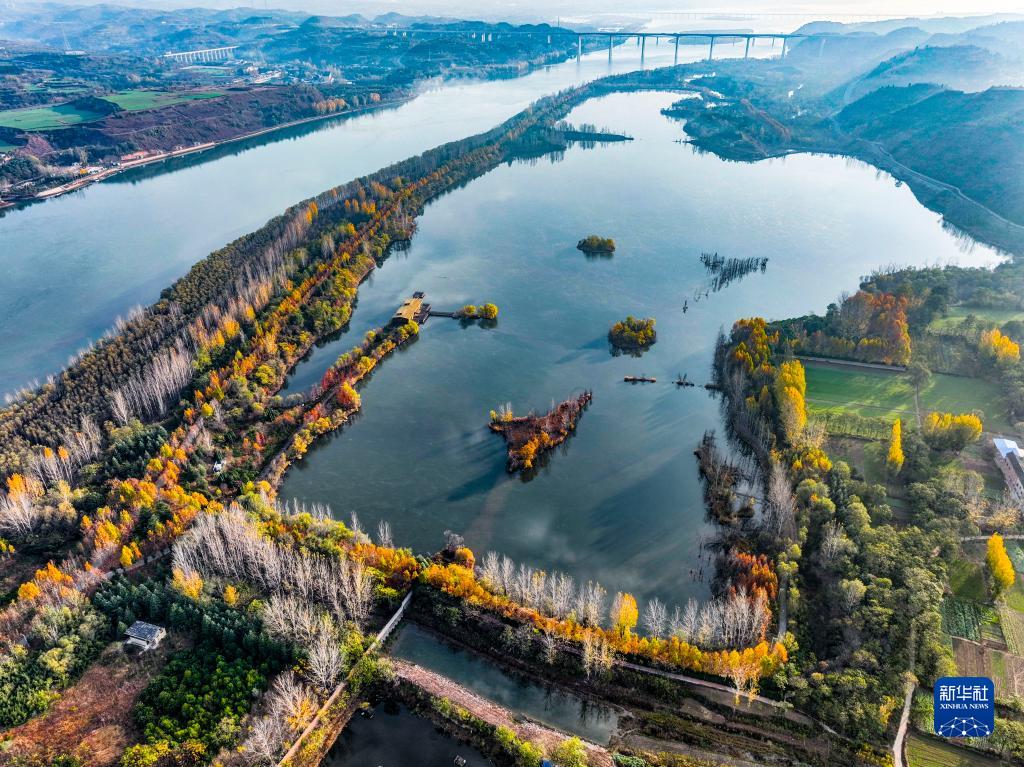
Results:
133 101
959 313
46 118
881 394
63 115
967 580
1015 594
932 752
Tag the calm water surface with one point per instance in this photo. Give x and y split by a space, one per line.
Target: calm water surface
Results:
72 264
556 707
621 501
395 737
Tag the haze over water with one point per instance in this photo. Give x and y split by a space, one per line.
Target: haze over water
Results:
73 263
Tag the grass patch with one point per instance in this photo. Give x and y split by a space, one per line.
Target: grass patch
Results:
960 313
46 118
1015 595
1013 629
967 580
932 752
881 394
136 100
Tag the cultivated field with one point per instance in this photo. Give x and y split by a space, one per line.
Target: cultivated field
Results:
932 752
881 394
63 115
46 118
134 101
1005 669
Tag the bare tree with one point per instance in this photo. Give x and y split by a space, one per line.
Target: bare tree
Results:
780 505
655 616
325 663
384 535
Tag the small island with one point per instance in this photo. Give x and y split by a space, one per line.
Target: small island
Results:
473 312
592 244
633 334
531 435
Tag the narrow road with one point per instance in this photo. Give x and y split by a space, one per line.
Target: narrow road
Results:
852 363
908 697
901 733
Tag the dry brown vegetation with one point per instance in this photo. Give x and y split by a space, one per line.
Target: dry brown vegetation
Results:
93 718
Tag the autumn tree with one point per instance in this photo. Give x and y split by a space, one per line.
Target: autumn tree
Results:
570 753
624 613
946 431
999 347
895 457
790 391
999 565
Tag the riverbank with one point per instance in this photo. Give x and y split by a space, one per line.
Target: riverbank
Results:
123 167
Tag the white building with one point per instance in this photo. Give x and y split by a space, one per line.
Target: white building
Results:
144 636
1010 459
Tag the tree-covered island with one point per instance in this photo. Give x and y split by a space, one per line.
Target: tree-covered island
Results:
594 244
633 334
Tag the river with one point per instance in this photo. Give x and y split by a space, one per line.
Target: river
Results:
74 263
620 501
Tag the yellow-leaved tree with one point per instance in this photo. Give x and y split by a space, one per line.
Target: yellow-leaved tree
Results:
624 613
895 457
999 564
946 431
791 389
999 347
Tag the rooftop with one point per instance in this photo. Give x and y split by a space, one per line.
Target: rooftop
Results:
1005 446
146 632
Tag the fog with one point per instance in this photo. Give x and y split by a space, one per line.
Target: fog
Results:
772 14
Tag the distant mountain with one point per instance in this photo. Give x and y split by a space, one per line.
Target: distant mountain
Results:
962 67
946 24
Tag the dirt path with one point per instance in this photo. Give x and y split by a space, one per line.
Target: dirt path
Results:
491 712
835 362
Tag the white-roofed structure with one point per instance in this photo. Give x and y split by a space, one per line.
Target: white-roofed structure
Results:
1010 459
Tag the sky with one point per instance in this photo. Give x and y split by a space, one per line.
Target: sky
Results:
545 9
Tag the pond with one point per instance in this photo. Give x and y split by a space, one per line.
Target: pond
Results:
553 706
395 737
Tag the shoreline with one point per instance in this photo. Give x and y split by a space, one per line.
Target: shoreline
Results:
82 183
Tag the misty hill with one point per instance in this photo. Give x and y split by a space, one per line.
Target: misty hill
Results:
964 68
944 25
973 141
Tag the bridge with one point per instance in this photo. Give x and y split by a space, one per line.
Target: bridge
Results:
205 54
622 36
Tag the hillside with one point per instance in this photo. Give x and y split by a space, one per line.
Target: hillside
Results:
961 67
974 141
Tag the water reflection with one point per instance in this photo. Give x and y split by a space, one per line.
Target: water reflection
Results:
553 706
392 736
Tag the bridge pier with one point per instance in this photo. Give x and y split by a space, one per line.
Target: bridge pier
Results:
579 47
711 50
784 41
610 49
675 56
746 51
643 49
